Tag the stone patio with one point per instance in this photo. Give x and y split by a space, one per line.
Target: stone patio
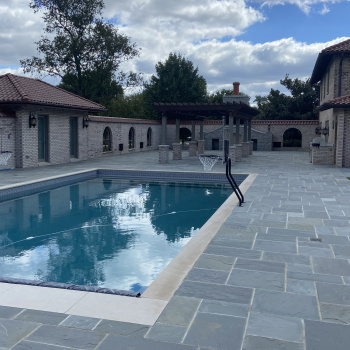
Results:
275 276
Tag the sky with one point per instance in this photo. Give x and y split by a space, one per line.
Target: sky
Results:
254 42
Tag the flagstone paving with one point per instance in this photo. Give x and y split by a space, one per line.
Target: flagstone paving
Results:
276 275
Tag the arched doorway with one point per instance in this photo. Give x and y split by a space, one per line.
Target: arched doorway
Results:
149 137
184 135
292 138
131 138
107 140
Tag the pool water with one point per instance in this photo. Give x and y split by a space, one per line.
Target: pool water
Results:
107 233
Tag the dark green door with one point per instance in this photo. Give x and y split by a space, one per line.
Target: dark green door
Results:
43 139
73 130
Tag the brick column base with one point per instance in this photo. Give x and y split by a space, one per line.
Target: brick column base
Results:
251 146
322 155
163 154
200 146
192 149
245 149
238 153
177 151
232 154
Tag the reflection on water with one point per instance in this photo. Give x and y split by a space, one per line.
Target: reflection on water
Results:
106 233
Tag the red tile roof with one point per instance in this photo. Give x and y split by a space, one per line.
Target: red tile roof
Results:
325 56
18 89
339 102
340 47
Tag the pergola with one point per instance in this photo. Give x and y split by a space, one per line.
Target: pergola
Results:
231 112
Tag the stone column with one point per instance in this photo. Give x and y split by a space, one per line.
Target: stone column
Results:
245 131
192 149
251 143
193 131
230 128
232 154
177 133
245 149
201 138
164 130
238 152
177 151
163 154
238 129
200 146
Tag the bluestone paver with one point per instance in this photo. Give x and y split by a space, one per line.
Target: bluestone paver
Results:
224 308
167 333
80 322
263 343
335 313
53 318
122 328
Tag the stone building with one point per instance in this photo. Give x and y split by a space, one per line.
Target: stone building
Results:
41 124
332 71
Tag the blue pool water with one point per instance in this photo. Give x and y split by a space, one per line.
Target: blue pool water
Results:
108 233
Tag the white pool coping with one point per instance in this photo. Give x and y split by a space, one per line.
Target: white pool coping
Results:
144 310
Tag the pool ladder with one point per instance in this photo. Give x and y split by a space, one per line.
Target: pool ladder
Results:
233 183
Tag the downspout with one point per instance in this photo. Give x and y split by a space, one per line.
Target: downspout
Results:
340 74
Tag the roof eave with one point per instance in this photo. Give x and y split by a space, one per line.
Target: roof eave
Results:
53 105
326 106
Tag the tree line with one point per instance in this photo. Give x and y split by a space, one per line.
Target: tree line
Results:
86 53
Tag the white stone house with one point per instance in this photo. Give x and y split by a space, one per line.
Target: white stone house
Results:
332 71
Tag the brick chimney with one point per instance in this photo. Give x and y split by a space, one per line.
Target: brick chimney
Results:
235 89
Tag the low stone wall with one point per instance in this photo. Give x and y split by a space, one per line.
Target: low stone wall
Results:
322 155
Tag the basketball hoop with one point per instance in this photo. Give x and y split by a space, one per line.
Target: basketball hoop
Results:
4 157
208 161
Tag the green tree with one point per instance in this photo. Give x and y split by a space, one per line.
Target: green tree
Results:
81 48
302 104
176 80
131 106
217 96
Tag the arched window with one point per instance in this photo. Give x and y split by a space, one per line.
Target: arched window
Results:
149 137
185 134
107 140
292 138
131 138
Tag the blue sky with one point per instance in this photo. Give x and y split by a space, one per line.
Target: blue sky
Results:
255 42
288 20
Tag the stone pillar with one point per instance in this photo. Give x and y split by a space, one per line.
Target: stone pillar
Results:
251 146
164 127
163 154
238 129
201 134
193 137
245 149
200 146
238 153
249 130
232 154
177 132
230 128
245 131
192 149
177 151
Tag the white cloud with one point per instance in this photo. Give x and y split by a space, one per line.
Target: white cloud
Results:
324 10
204 31
304 5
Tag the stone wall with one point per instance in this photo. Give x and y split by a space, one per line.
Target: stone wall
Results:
8 138
279 127
322 155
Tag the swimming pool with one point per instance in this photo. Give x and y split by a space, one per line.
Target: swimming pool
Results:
103 232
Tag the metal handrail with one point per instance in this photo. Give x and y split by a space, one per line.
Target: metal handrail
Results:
233 183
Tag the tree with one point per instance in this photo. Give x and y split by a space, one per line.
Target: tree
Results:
217 96
301 104
81 48
177 81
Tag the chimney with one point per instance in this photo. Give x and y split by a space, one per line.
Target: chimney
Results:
235 89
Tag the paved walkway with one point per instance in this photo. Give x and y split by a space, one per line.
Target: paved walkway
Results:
275 276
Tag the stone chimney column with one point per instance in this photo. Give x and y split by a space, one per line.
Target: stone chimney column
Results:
235 89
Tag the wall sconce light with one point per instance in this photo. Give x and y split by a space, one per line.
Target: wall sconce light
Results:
318 130
325 131
32 120
333 124
85 122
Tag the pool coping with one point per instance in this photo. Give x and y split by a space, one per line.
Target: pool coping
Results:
144 310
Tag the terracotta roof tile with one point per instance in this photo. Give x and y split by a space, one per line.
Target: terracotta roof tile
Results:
18 89
340 47
339 102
